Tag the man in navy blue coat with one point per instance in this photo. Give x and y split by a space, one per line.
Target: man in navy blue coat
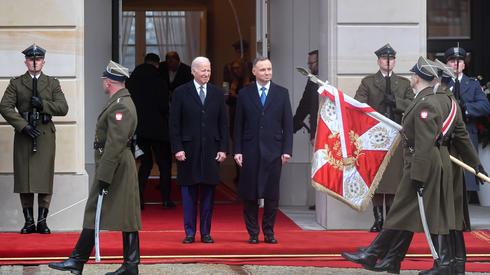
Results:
472 101
199 140
263 143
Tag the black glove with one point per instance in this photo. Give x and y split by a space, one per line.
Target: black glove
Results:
389 100
37 102
480 169
31 131
103 187
419 186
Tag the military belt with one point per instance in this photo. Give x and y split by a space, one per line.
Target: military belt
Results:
100 145
43 117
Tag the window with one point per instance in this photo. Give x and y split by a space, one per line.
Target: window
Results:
448 19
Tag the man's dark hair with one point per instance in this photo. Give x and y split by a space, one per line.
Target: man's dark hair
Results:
313 52
173 55
258 59
152 58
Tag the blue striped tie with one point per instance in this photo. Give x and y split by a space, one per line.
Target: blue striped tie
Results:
202 96
263 95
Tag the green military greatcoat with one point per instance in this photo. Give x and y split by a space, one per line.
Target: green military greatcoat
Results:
459 146
371 91
33 172
422 124
115 164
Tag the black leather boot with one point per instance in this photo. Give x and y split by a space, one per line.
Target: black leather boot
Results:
368 256
80 254
442 266
131 251
29 226
459 250
42 226
391 262
378 219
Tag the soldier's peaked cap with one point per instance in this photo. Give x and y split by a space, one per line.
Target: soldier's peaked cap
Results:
115 72
455 53
34 50
424 69
384 51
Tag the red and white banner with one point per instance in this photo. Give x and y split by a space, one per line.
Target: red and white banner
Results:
353 146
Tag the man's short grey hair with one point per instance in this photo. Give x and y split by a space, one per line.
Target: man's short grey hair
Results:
258 59
199 61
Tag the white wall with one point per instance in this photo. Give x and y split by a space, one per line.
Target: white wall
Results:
98 31
294 31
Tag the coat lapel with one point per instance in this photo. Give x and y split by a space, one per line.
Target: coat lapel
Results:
42 83
254 96
193 91
271 95
379 81
27 80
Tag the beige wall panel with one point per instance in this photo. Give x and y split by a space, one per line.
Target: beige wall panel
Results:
379 11
67 151
356 46
69 87
62 46
37 13
349 84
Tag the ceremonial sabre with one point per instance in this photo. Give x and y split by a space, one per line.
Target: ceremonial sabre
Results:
424 224
97 224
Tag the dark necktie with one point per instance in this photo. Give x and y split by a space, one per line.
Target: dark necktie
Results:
202 96
263 95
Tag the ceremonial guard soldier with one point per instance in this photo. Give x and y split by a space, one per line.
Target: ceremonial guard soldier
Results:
424 174
28 104
115 176
389 94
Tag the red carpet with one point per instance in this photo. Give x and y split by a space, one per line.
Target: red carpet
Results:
163 231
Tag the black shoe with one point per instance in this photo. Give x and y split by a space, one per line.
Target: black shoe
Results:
125 269
207 239
73 265
29 226
365 259
188 240
80 254
270 239
168 204
42 226
253 240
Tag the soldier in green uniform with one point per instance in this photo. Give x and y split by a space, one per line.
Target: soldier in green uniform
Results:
424 169
116 174
30 114
389 94
458 144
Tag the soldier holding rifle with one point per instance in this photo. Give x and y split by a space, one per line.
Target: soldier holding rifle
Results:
28 104
389 94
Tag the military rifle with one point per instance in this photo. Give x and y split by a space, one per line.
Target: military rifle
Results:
389 112
34 115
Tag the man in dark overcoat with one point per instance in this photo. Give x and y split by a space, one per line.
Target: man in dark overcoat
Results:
174 71
149 92
308 107
263 143
389 94
34 170
115 176
473 103
199 140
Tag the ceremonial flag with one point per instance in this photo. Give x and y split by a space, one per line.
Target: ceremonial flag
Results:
353 146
